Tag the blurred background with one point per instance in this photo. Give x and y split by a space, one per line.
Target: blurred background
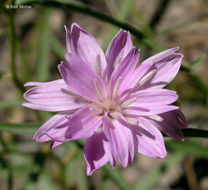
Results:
32 44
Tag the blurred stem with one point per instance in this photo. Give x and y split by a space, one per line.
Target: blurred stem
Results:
189 132
2 4
25 65
6 148
43 45
57 46
162 6
104 183
183 23
10 178
86 10
122 15
12 41
190 173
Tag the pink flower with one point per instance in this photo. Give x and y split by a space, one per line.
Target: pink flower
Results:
108 100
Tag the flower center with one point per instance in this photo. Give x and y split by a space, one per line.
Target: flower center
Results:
109 103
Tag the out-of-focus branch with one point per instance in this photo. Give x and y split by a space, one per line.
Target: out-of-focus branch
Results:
163 4
190 173
3 157
86 10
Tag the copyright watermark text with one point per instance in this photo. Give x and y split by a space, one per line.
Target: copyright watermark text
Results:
18 6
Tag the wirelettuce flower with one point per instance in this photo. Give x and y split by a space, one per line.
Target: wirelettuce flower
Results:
108 100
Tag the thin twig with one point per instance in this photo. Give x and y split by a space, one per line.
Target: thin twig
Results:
86 10
6 162
190 173
163 4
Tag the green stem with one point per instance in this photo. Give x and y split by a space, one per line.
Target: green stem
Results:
163 4
6 163
86 10
25 66
189 132
10 178
12 41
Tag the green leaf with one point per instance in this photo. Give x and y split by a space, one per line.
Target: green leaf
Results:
138 18
25 69
43 54
57 46
69 174
153 45
70 160
122 16
82 181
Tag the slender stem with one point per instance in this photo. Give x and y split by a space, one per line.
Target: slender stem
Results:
190 173
86 10
2 4
190 132
12 41
10 178
25 65
6 163
163 4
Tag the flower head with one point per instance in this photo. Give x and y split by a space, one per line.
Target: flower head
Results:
109 100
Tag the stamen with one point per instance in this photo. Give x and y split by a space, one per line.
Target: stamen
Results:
98 89
118 61
128 102
116 87
68 116
108 90
98 65
98 104
115 114
96 110
156 117
100 129
146 77
181 120
130 120
69 92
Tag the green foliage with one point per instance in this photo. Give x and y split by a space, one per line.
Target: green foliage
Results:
43 53
122 15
